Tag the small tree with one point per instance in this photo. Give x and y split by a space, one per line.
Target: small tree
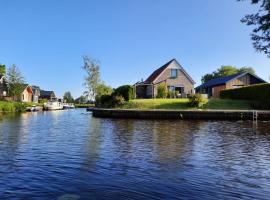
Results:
126 91
2 69
92 78
103 89
68 97
15 81
162 90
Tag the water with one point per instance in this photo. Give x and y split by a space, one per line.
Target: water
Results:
70 155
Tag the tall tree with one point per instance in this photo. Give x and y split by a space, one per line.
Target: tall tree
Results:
226 71
92 78
68 98
261 20
2 69
15 81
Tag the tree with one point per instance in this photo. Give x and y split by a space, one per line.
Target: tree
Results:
82 99
261 20
92 78
103 89
15 81
2 69
226 71
68 98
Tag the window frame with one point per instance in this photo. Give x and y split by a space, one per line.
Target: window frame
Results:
176 73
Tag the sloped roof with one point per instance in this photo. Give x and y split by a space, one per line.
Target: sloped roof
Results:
44 93
24 86
225 79
157 72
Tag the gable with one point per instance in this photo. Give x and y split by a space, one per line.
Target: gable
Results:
159 74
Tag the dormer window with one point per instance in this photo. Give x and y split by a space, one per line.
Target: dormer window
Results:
173 73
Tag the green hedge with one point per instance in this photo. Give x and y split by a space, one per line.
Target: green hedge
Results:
126 91
258 92
12 106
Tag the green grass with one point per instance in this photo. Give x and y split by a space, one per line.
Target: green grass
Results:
182 104
156 104
228 104
11 107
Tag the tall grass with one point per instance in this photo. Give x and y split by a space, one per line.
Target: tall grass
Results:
12 106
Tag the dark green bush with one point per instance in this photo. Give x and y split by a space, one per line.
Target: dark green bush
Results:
258 92
196 100
162 90
126 91
109 101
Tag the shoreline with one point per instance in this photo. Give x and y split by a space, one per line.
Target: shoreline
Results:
181 114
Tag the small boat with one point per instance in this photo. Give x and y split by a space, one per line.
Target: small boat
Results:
54 104
68 106
33 108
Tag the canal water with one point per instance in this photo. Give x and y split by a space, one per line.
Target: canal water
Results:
71 155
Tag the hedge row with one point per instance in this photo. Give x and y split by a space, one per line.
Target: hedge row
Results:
258 92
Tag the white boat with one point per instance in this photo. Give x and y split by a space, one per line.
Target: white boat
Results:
33 108
68 105
54 104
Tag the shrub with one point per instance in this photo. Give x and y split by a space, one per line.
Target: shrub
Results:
258 92
109 101
126 91
162 90
196 100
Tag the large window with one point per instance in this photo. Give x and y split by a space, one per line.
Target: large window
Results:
173 73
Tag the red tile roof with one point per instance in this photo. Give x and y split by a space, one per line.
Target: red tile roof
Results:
157 72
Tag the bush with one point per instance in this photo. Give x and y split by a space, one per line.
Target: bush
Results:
109 101
12 106
258 92
126 91
162 90
196 100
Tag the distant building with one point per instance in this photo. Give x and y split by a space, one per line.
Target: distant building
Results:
47 95
36 93
213 87
173 75
26 94
3 86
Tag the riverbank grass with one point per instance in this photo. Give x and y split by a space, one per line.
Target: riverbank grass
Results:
183 104
6 106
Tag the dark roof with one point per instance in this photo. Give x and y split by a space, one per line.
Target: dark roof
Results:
44 93
224 79
157 72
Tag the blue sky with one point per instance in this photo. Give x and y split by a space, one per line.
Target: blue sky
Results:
131 38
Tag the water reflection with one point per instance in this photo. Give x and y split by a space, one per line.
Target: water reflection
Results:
64 154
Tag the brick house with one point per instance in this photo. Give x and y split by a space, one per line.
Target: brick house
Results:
213 87
173 75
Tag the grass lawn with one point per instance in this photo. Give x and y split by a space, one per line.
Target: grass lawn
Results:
181 104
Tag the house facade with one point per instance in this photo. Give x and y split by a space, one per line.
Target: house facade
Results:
173 75
36 94
3 86
26 94
213 87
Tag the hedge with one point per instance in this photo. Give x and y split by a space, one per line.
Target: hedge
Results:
257 92
126 91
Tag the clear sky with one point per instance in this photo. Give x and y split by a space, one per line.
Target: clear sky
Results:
46 39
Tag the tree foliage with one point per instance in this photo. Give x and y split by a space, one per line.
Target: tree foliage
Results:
103 89
162 90
15 81
261 21
68 98
92 78
226 71
2 69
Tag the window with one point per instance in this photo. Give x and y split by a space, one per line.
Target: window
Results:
173 73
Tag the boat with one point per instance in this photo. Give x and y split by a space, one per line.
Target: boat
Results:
33 108
54 104
68 106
